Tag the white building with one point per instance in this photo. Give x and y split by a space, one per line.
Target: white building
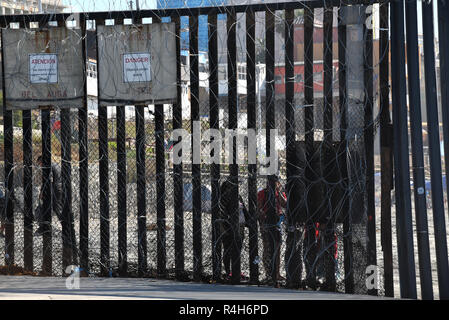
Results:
9 7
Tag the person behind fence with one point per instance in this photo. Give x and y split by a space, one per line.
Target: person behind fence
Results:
3 204
227 234
2 213
65 218
270 229
56 198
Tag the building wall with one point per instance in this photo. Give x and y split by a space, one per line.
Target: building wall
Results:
25 7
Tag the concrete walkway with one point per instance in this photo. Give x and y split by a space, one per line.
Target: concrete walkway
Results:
53 288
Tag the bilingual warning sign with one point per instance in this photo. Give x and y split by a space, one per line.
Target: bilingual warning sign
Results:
136 64
137 67
43 67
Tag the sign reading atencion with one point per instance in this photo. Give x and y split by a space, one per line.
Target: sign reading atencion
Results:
43 67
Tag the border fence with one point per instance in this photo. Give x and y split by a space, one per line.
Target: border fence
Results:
330 76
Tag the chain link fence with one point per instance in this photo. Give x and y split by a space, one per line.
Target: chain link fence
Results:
311 70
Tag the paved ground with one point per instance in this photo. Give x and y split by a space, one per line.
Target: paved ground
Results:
54 288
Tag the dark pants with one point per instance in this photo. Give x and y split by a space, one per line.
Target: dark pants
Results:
229 241
293 257
68 229
271 241
320 252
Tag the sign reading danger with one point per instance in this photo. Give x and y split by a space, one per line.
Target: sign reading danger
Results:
137 64
43 68
136 67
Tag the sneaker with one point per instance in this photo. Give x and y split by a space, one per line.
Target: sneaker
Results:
242 276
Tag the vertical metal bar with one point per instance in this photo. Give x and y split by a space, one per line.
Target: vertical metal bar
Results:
327 76
347 230
104 189
160 185
407 273
104 178
46 192
329 234
232 125
425 269
308 81
121 191
28 191
215 167
83 166
121 185
271 218
141 190
368 136
177 168
293 255
66 177
196 166
309 245
386 146
9 173
443 29
66 216
252 167
142 250
434 151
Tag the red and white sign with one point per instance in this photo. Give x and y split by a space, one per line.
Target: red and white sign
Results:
136 67
43 68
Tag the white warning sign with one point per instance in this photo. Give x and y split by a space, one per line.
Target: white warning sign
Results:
137 64
137 67
43 68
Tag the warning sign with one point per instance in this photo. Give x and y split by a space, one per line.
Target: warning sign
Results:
136 64
136 67
43 68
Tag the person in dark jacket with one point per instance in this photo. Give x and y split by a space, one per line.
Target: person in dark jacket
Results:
270 229
227 233
65 217
56 198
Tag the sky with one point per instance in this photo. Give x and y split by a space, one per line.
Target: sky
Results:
112 5
107 5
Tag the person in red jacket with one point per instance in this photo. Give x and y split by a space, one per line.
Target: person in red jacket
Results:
270 229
